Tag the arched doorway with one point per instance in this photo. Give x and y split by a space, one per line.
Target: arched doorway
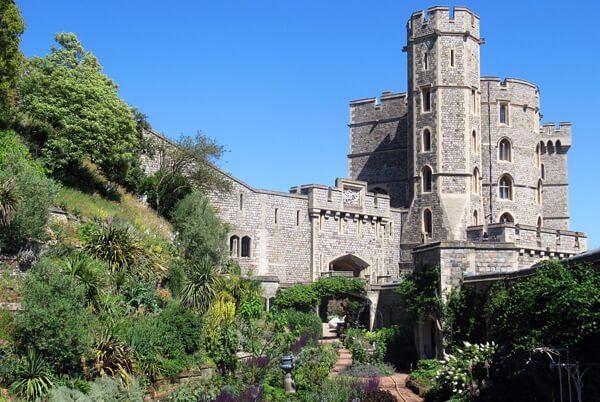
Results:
349 264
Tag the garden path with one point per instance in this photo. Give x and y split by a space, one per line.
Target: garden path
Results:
395 384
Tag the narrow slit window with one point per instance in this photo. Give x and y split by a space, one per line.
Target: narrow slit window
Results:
426 140
425 61
504 113
241 202
427 223
297 218
474 100
451 57
276 212
426 99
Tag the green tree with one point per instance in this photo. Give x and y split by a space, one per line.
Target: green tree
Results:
200 232
11 29
185 165
68 90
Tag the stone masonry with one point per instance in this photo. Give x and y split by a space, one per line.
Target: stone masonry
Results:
456 172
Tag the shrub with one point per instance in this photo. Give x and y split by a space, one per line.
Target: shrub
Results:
36 194
201 232
108 389
54 320
426 372
304 323
466 372
200 284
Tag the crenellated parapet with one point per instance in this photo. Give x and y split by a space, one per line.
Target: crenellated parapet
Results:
439 20
348 199
553 243
557 137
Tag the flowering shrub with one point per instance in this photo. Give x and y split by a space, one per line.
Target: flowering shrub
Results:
466 372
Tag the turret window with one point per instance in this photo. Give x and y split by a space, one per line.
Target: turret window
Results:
426 140
506 218
427 223
451 57
474 141
504 150
505 188
426 92
425 61
504 113
426 177
476 181
475 218
538 193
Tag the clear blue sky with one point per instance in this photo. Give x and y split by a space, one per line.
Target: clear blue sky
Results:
271 80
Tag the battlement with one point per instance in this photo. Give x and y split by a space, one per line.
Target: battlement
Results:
389 105
554 242
440 19
560 136
348 197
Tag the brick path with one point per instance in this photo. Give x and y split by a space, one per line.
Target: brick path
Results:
395 383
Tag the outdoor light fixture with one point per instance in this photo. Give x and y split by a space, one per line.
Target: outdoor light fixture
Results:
287 364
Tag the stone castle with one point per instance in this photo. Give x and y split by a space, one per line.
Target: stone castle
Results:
455 172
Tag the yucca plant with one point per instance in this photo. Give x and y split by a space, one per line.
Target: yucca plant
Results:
200 284
9 199
34 378
113 243
113 358
88 273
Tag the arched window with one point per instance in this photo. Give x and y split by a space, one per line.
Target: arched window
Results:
557 146
475 218
427 223
476 181
426 178
505 188
474 141
506 218
550 148
234 246
426 92
537 156
504 150
542 147
538 193
426 140
245 246
539 222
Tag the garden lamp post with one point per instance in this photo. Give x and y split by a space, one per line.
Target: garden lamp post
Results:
287 364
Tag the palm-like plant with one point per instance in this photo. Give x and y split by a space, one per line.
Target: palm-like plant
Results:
200 284
113 358
34 378
9 199
89 274
115 244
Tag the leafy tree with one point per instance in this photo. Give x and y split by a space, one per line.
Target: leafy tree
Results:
11 29
185 165
200 232
68 90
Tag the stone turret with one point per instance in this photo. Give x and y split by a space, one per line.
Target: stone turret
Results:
443 117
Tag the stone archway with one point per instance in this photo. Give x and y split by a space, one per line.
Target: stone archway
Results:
348 264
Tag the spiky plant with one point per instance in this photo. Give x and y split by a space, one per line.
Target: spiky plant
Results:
115 244
113 358
200 284
34 378
88 273
9 200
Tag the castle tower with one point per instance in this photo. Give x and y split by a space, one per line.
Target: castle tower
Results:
444 126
